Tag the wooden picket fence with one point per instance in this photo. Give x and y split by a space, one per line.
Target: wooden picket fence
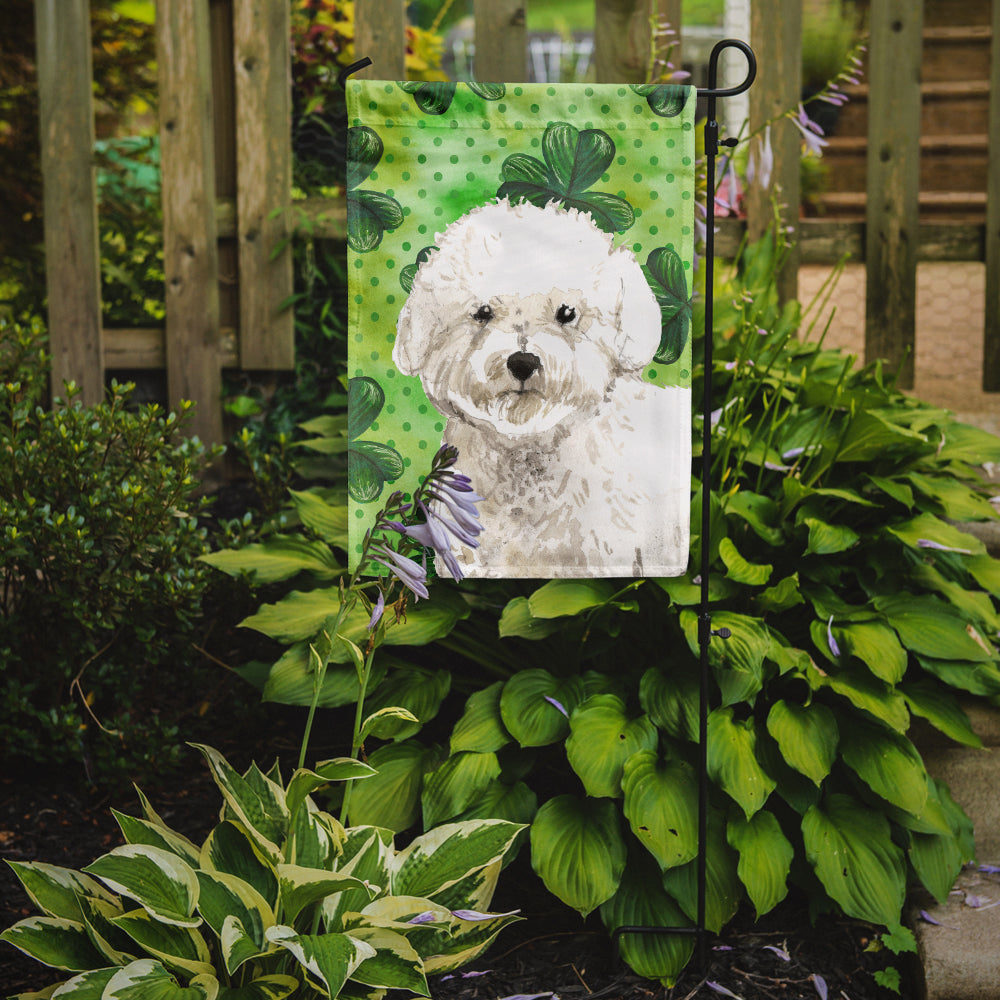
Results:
226 161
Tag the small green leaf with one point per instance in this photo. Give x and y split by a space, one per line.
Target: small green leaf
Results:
671 700
765 858
807 736
559 598
732 760
481 727
456 785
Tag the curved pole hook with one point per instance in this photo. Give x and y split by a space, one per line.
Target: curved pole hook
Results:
348 70
713 69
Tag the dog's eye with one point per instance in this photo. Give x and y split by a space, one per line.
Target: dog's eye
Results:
565 314
483 314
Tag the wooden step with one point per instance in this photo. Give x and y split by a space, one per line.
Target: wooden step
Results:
956 53
957 206
946 105
947 162
939 13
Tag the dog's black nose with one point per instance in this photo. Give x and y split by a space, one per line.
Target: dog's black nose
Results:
523 365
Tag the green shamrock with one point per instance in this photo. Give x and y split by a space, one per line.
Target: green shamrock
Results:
408 273
370 464
435 97
574 160
664 99
370 213
664 271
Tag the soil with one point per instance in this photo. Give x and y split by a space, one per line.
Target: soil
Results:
551 952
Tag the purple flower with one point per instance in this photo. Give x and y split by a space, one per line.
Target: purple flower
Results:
411 574
719 988
558 705
820 983
811 132
780 952
760 166
475 915
834 648
377 611
927 543
427 917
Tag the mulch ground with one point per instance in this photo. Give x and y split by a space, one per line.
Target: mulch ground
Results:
551 952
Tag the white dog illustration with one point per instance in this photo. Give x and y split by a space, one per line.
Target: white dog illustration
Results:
529 332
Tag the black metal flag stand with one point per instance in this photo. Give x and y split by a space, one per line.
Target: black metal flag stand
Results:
705 631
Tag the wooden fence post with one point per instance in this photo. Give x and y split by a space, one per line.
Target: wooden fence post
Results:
262 61
776 35
991 333
72 255
621 41
380 34
190 251
501 40
893 183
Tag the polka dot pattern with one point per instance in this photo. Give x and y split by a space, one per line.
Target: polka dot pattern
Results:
438 167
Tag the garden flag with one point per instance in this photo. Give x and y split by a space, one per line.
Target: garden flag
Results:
520 267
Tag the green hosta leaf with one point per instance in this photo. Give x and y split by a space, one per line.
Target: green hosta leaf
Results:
807 736
976 678
391 798
292 679
164 885
937 858
684 592
752 574
275 987
850 847
641 901
330 959
661 798
528 711
180 948
395 964
876 646
964 443
280 557
723 889
364 150
888 763
738 661
456 784
438 859
973 604
932 628
56 891
54 941
260 809
371 465
941 709
732 760
865 692
386 723
601 739
141 831
365 399
828 539
870 435
957 501
760 512
577 159
515 803
147 979
765 858
986 572
671 700
481 728
578 851
229 849
558 598
517 620
783 595
928 528
328 520
419 690
301 887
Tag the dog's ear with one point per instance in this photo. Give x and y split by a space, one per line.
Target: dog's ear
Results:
638 322
408 350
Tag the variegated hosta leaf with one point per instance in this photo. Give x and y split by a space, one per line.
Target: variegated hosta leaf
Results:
807 736
578 851
149 980
481 727
158 880
230 849
441 857
256 801
395 964
304 782
141 831
732 760
475 891
56 891
765 858
468 939
457 784
661 799
177 947
274 987
116 947
723 889
87 986
367 853
850 847
225 897
54 941
642 902
315 838
329 959
300 887
602 737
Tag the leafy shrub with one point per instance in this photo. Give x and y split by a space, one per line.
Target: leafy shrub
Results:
854 602
99 539
279 899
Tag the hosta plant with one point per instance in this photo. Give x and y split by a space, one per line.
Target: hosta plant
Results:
855 604
279 900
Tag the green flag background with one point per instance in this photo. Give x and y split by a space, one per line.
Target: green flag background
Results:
423 155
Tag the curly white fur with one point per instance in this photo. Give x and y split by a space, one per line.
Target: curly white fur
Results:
529 331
